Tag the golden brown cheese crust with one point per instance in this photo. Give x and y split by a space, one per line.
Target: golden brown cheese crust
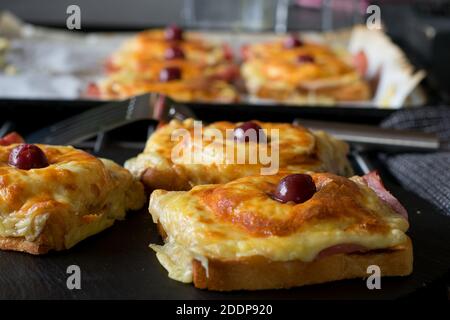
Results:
249 204
55 207
273 72
299 149
273 49
239 226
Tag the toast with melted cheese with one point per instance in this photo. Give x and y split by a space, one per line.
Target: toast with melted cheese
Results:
206 69
298 148
275 73
54 208
236 236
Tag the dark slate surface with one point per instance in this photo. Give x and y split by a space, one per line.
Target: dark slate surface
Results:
117 263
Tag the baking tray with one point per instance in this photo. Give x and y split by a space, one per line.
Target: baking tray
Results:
118 264
83 74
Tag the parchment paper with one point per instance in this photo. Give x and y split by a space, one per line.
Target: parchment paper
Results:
59 64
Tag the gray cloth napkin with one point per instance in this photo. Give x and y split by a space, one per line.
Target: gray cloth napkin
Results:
428 175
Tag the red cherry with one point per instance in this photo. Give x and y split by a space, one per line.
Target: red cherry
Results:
169 74
295 187
27 156
173 53
305 58
292 42
244 132
173 33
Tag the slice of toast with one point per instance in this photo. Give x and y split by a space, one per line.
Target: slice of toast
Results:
256 273
235 236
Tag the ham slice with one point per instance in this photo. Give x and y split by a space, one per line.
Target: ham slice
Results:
245 52
374 182
11 138
360 63
93 91
110 66
341 248
227 74
228 52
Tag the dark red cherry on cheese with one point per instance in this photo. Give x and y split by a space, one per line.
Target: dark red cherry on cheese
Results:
297 188
27 156
170 74
173 33
173 53
292 42
246 131
305 58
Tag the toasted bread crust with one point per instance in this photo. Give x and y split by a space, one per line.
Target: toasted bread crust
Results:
51 238
258 273
20 244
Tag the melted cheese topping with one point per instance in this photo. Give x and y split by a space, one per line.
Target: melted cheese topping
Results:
149 71
299 149
273 49
76 196
239 219
151 45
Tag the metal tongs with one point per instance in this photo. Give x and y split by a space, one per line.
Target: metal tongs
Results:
365 138
113 115
373 138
